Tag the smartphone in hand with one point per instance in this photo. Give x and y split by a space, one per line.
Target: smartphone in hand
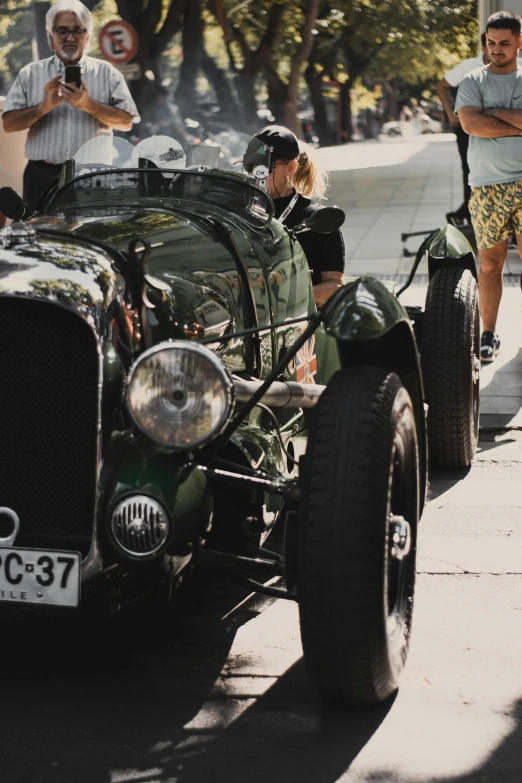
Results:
73 75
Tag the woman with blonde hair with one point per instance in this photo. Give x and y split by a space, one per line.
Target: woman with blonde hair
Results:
295 179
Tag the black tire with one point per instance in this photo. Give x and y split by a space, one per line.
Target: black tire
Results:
355 597
451 367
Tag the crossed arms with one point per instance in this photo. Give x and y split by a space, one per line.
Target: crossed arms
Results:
491 123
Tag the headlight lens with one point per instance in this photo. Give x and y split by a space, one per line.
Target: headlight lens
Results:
180 395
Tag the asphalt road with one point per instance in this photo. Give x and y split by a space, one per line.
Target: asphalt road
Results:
215 690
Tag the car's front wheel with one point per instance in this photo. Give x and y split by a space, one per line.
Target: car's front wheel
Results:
357 537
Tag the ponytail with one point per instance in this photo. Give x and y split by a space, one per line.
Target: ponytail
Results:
309 180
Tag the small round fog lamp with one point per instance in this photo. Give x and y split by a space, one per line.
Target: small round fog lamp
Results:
140 526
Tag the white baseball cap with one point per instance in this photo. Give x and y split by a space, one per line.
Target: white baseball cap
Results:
165 152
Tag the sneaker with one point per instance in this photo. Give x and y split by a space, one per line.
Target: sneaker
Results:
489 346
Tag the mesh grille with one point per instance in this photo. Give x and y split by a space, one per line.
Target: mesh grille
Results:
48 411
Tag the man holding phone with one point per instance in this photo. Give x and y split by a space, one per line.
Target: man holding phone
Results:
65 100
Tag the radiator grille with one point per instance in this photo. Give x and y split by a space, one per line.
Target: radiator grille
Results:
48 423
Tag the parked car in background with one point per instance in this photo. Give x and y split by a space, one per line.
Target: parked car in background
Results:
421 124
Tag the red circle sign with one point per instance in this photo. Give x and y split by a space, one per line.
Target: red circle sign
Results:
118 42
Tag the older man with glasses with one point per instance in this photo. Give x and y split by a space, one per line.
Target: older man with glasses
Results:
60 116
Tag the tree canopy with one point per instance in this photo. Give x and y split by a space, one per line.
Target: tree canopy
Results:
284 53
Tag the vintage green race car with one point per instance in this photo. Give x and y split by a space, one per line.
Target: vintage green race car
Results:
171 396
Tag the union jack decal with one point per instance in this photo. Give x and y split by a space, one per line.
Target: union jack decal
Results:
306 362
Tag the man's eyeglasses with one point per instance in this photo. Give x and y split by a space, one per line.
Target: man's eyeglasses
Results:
64 32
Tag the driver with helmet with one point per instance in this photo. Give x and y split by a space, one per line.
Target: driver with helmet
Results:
294 179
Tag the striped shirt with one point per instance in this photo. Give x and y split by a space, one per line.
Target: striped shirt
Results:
59 134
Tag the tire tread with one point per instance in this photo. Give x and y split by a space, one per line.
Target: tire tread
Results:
447 349
342 537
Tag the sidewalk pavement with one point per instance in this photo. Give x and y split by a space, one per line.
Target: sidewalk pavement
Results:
393 186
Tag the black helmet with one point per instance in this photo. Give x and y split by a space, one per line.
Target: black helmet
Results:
268 145
281 141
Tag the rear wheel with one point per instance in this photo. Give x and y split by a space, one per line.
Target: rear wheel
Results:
357 537
451 367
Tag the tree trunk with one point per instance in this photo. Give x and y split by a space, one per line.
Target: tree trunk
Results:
346 112
243 78
245 86
277 97
290 119
310 8
230 108
42 45
325 133
254 61
145 15
392 101
192 57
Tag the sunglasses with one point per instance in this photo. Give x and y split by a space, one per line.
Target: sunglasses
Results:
64 32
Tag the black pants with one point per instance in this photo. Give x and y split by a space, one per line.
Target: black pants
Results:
462 144
37 175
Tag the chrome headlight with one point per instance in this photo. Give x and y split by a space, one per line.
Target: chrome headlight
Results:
180 395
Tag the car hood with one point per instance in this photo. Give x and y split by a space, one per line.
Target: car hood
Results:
190 283
37 265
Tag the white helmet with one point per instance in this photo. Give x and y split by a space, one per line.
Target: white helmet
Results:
165 152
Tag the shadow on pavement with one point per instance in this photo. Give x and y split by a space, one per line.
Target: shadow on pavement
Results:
111 702
440 481
287 736
80 698
496 422
490 443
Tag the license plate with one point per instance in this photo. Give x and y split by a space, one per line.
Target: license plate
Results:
39 576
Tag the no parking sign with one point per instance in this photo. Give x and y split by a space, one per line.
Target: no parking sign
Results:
118 42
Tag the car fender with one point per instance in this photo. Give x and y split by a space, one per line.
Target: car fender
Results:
450 248
371 327
363 310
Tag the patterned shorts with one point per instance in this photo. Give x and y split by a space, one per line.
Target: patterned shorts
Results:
496 212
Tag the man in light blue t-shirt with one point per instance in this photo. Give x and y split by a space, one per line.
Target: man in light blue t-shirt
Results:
489 107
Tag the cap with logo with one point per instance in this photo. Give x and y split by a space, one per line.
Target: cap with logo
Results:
165 152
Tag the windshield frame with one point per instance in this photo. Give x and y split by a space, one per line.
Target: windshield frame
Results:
230 178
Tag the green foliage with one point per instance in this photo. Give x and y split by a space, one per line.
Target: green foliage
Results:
252 22
16 31
414 40
362 98
443 34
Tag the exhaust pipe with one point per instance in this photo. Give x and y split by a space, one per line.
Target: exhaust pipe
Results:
281 394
